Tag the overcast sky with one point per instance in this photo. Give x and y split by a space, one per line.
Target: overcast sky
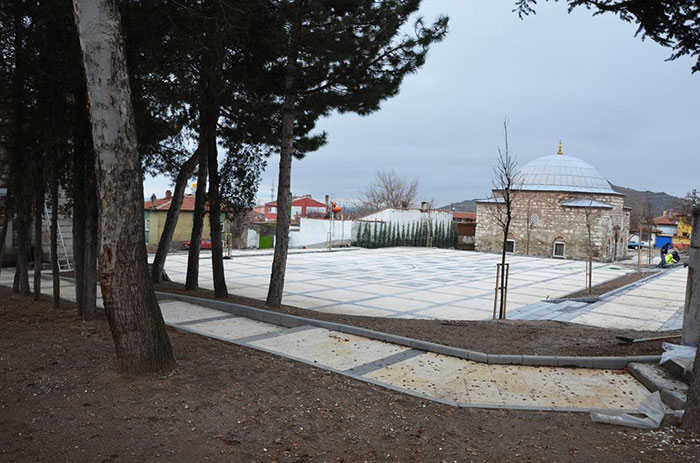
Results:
611 98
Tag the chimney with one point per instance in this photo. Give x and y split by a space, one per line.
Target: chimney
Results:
665 213
168 194
153 200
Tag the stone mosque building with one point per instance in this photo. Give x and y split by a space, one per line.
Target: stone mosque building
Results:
558 196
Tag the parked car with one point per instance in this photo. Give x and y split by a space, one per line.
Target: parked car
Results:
632 245
205 244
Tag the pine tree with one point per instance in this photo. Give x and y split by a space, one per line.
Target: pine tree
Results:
455 236
338 56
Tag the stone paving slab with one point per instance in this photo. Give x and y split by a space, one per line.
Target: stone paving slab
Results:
654 304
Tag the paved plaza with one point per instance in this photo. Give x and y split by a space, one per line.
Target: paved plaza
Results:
422 283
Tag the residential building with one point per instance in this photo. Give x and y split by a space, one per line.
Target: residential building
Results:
302 206
672 228
155 213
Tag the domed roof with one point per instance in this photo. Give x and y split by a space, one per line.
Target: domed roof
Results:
560 172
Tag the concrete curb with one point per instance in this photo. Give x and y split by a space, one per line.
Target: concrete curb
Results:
292 321
655 378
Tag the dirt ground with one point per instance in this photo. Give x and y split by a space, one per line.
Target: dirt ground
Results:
599 290
61 400
498 337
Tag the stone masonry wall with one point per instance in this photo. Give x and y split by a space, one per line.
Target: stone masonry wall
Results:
552 223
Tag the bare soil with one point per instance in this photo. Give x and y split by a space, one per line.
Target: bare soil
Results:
603 288
521 337
61 400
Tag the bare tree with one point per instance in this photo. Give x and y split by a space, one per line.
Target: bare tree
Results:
506 185
589 216
531 221
132 309
390 190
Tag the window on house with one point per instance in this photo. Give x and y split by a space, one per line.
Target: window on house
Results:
559 249
148 224
510 246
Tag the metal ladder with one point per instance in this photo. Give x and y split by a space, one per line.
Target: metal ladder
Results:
63 258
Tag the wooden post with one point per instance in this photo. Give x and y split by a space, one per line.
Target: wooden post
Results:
496 288
499 304
691 311
639 251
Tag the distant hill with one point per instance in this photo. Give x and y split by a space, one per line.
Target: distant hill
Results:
660 201
468 205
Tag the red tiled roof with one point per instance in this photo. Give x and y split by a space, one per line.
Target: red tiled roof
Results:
665 220
163 204
464 215
301 201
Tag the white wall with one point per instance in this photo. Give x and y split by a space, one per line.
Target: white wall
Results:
314 233
252 239
409 216
667 229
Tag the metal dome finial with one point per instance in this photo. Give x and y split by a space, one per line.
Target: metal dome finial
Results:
560 152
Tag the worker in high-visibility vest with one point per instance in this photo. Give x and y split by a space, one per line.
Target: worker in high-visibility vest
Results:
670 259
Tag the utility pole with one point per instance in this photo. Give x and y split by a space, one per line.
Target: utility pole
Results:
691 311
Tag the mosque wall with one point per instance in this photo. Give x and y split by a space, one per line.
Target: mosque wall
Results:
540 220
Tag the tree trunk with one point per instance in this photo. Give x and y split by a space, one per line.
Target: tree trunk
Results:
691 326
38 209
3 234
90 253
79 216
21 283
279 262
135 319
54 237
691 311
502 305
200 197
172 217
217 255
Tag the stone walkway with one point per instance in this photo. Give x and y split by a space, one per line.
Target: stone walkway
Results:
441 378
655 304
651 304
437 377
401 282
